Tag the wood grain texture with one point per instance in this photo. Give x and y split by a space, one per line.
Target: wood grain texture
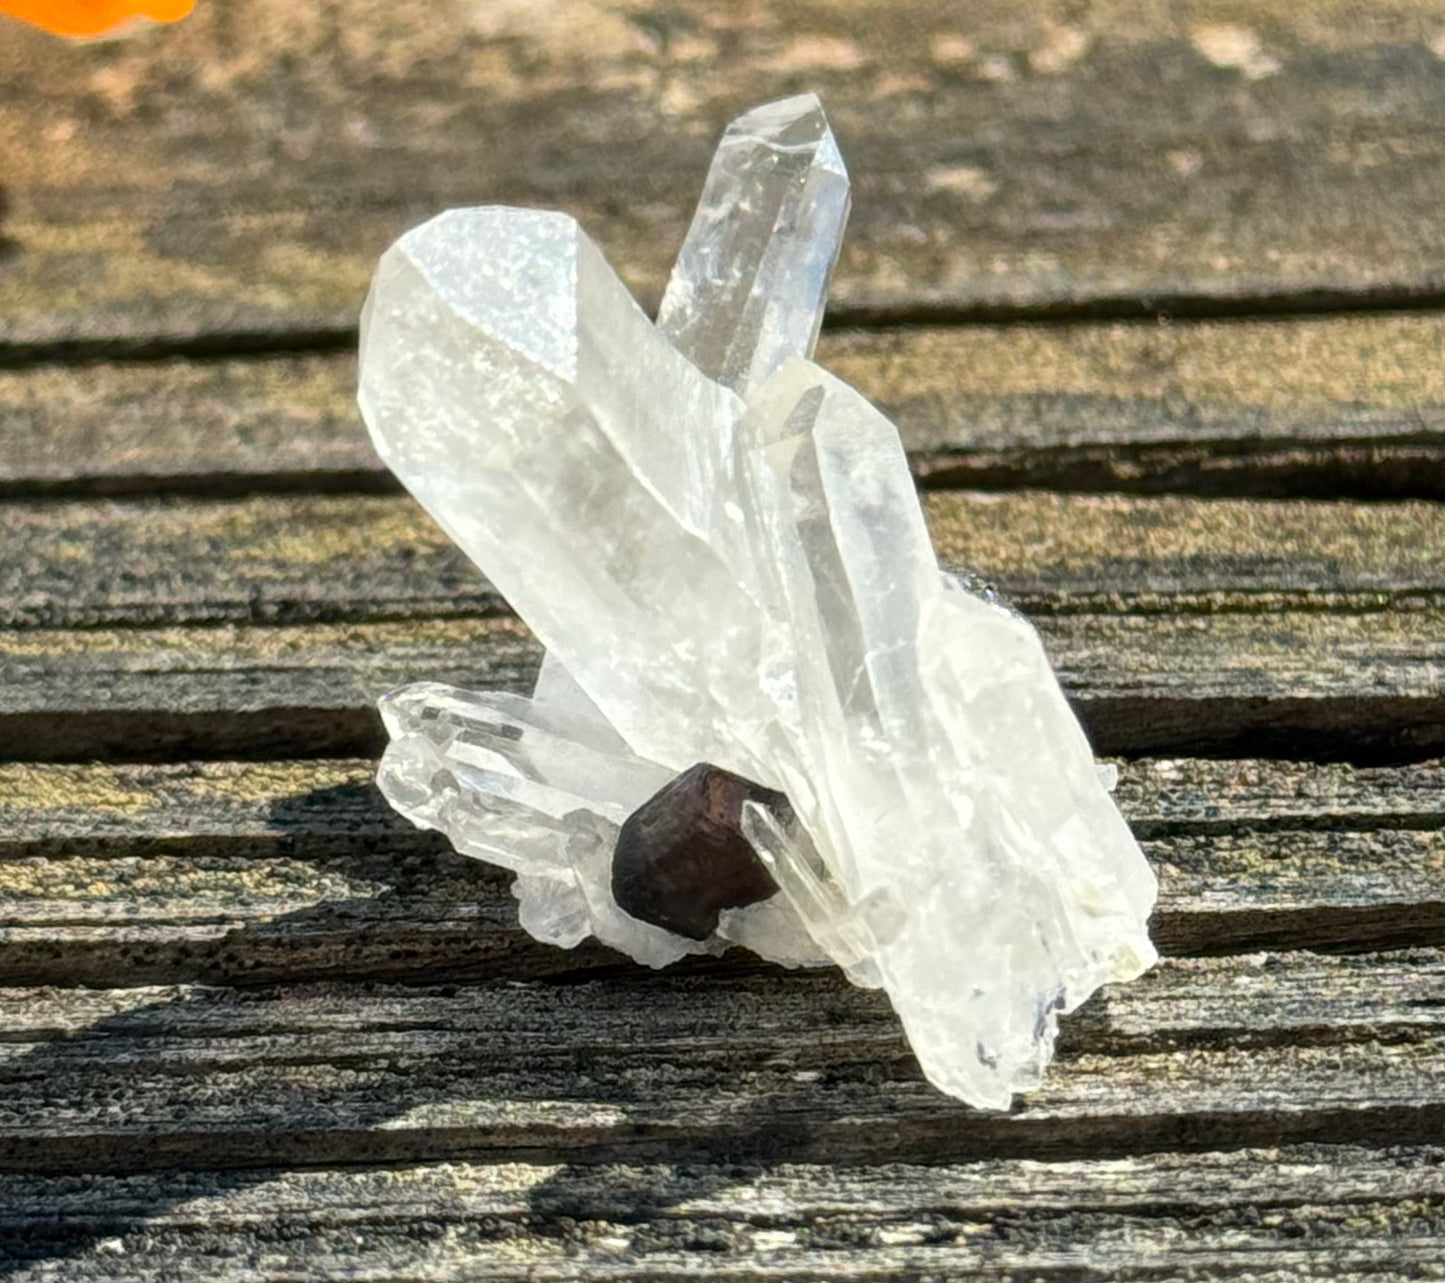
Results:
303 559
1298 1212
328 806
174 189
1179 625
277 872
1355 686
1339 406
1257 1049
255 1027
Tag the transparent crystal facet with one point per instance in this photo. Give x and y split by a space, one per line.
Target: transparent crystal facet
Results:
751 282
721 547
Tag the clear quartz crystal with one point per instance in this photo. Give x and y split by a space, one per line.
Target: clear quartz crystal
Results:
509 783
749 287
721 548
750 284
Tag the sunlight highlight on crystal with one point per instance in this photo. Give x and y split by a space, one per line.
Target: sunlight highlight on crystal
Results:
722 550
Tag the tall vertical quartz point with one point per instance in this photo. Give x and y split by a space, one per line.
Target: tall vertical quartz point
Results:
750 283
749 287
721 548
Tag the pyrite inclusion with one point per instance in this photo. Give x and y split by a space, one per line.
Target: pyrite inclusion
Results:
681 857
722 550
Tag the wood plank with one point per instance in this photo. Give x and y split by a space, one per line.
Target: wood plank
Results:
222 426
1327 407
226 872
1203 1053
1339 406
1179 625
1299 1212
301 559
1130 158
1354 686
317 808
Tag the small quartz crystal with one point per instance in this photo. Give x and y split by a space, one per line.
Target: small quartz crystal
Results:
766 715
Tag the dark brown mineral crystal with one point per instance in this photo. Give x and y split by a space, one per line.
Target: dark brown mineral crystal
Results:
682 858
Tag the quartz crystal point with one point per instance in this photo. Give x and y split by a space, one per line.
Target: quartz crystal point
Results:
506 780
749 287
750 284
721 548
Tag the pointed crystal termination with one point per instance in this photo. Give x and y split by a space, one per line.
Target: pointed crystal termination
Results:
517 390
507 783
751 282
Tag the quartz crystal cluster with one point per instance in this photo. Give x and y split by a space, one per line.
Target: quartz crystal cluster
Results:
766 716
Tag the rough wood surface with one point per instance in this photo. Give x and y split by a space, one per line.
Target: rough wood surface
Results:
176 189
323 807
1227 627
286 871
1337 406
254 1027
1255 1049
1360 686
1316 1212
301 559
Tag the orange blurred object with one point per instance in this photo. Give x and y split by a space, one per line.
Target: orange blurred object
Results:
93 17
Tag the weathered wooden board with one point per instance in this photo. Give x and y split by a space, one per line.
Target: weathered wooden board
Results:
1338 406
1303 1212
1204 1053
175 188
1361 686
284 871
1234 627
299 559
257 1027
319 808
1334 407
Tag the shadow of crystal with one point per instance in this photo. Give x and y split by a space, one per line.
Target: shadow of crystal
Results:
434 919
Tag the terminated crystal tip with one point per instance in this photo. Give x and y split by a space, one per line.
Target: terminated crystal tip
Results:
721 547
751 282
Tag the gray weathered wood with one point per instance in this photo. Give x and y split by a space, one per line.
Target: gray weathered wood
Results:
1301 1212
324 807
1354 684
1350 405
296 559
259 1028
283 871
182 192
1220 1053
1227 627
